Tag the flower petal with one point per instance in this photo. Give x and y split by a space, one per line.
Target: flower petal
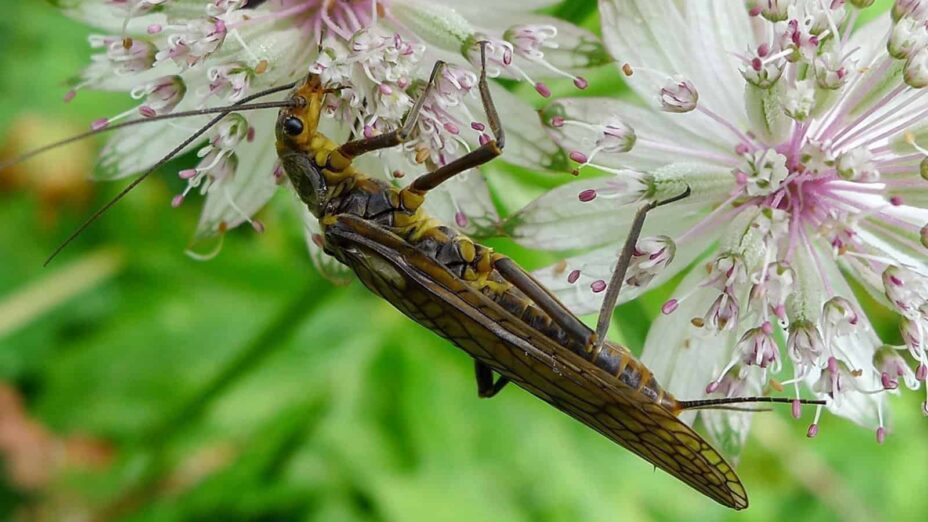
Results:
684 358
576 48
692 41
858 349
527 143
597 265
560 220
659 134
135 149
230 202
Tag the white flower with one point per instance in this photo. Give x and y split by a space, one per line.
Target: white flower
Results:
805 160
179 55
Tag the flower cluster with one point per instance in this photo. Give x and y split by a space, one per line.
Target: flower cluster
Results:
172 55
801 138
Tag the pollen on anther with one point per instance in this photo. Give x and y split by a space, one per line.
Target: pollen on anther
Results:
587 195
573 276
460 219
578 156
813 431
627 69
669 307
543 89
261 68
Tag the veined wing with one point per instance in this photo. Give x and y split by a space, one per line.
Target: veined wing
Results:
427 292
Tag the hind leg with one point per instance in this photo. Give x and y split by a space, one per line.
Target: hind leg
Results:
486 388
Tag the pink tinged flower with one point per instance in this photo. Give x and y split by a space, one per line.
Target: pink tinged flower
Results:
809 125
906 290
764 171
161 95
837 379
799 101
839 317
730 384
193 42
772 290
915 69
377 60
857 165
804 345
757 348
893 367
909 34
230 81
831 70
123 59
650 258
678 95
774 10
723 314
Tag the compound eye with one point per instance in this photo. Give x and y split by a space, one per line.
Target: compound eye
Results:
293 126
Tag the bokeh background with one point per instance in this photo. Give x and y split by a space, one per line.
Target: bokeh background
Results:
139 384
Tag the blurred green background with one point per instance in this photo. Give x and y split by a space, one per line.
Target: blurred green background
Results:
139 384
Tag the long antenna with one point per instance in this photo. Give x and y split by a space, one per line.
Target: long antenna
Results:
722 403
190 139
239 106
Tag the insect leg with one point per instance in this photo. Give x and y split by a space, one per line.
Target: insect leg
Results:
486 388
625 256
543 298
489 148
393 138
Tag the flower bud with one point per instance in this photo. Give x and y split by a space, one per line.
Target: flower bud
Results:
857 165
800 100
908 35
915 70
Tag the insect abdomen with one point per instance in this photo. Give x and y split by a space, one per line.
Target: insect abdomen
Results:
612 358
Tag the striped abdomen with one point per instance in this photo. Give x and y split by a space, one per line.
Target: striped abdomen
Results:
612 358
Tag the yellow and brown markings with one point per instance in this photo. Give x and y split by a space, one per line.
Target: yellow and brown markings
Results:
428 293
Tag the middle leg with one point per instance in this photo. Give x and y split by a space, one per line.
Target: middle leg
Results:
621 268
488 150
